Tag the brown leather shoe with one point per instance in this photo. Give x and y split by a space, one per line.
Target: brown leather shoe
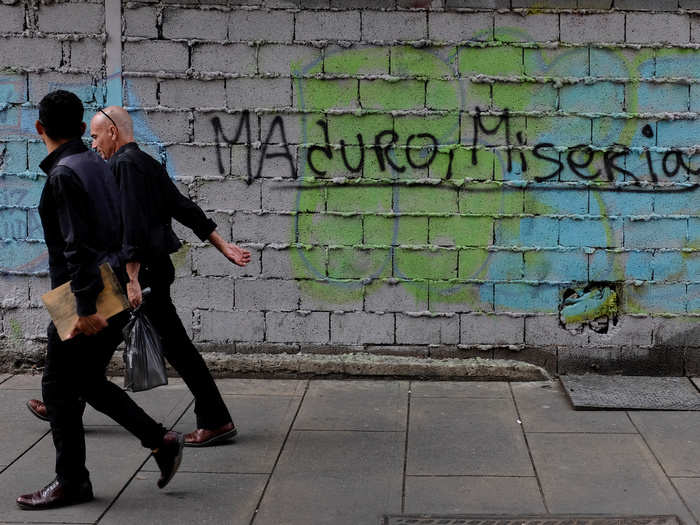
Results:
203 437
168 456
56 494
38 408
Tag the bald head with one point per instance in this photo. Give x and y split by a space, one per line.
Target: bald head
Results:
110 129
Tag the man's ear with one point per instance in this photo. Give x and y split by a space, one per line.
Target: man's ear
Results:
83 127
39 128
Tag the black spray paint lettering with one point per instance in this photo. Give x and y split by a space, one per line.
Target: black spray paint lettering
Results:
383 151
504 120
479 125
671 164
277 122
432 149
219 134
244 125
578 158
325 149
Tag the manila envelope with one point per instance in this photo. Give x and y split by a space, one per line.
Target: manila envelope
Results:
63 309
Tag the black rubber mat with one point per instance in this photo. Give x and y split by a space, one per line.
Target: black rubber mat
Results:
696 382
530 520
631 392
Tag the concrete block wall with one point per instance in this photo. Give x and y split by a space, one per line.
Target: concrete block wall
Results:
418 177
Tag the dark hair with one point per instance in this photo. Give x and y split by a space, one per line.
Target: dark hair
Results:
61 114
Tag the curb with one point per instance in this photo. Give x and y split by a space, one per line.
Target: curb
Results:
355 364
370 365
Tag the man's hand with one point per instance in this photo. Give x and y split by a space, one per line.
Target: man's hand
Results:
232 252
133 292
235 254
88 325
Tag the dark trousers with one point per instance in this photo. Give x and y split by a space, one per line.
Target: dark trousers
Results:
209 407
74 370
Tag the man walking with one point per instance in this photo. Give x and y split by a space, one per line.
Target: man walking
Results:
149 201
79 212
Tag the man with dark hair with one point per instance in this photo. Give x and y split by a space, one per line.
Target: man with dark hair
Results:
149 202
79 212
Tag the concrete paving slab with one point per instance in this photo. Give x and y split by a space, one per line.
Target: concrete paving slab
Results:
113 456
165 404
329 477
263 423
476 389
674 438
4 377
472 494
354 405
23 381
32 381
544 407
19 430
257 387
689 489
602 474
189 498
463 436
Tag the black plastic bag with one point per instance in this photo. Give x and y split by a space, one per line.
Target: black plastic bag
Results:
143 356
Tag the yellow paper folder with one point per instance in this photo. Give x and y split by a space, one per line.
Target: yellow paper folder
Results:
63 309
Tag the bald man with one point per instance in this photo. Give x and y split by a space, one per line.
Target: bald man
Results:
149 200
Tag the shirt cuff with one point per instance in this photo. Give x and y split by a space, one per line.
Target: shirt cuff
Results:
130 253
205 230
86 303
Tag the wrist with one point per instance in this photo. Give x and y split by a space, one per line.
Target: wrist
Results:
216 240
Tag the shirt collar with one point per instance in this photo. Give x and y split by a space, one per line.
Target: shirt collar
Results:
69 148
126 147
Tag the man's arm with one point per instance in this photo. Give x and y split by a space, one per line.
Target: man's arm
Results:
188 213
184 211
86 280
133 198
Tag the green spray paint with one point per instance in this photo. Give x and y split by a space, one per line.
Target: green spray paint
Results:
375 231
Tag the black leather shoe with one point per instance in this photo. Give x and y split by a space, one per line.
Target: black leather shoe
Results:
56 494
168 456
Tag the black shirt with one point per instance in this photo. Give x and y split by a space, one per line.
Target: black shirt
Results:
80 217
149 201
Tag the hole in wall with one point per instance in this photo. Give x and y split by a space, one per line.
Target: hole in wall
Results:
593 306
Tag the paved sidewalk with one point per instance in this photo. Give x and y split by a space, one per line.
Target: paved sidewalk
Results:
347 452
